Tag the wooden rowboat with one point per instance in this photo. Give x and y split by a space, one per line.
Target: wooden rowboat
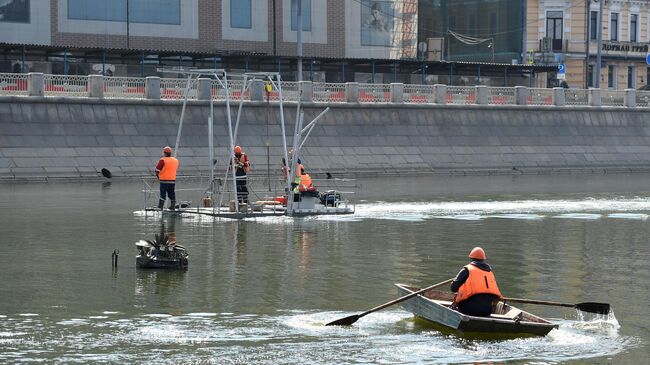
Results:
507 321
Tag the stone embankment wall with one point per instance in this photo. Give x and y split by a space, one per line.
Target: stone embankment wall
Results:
76 138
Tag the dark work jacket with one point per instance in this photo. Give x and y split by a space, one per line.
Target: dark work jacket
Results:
476 305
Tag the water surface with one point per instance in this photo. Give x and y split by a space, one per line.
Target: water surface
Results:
260 291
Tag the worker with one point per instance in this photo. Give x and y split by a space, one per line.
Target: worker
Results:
475 286
242 167
166 172
306 183
300 168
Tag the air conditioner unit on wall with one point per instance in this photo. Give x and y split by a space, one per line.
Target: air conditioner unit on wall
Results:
546 45
435 49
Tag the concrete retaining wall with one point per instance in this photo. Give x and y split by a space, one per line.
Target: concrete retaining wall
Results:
66 137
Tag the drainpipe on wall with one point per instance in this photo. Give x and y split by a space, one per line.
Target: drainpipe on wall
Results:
587 39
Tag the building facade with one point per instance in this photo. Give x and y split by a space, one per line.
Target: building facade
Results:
566 32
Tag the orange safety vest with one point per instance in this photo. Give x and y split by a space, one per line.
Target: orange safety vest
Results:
305 183
478 282
168 172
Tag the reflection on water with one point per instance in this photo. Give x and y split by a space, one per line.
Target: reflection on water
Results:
260 290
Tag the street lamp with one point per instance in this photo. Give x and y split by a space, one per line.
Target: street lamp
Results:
600 43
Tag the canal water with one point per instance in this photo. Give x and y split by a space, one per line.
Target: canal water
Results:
260 291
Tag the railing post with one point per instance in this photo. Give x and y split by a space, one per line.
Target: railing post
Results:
205 89
35 84
397 92
558 96
594 97
630 98
440 93
96 86
257 90
481 94
521 95
152 87
352 92
307 90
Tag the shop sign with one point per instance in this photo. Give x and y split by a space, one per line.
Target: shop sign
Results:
625 47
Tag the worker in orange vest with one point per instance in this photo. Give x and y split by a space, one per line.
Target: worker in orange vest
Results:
475 286
306 183
242 168
166 172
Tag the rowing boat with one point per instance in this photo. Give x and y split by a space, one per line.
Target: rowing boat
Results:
507 321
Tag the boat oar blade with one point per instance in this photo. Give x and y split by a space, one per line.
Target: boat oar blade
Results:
600 308
345 321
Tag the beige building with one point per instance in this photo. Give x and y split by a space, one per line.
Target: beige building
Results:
566 32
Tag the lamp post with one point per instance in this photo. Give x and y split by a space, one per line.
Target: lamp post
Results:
127 25
299 38
600 43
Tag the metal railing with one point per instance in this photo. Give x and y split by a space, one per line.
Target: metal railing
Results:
612 98
59 85
36 84
576 96
327 92
124 88
419 94
374 93
501 95
461 95
540 97
13 84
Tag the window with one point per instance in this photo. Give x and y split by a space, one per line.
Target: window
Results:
613 27
634 27
611 76
305 12
142 11
631 77
554 28
590 76
240 14
14 11
593 26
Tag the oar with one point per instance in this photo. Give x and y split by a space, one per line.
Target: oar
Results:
353 318
600 308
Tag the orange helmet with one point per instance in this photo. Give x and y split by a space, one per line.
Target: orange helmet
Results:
477 254
167 149
237 149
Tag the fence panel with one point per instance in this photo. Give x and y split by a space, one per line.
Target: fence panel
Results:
576 96
643 99
374 93
461 95
419 94
612 98
172 89
124 87
501 95
538 96
13 84
65 85
326 92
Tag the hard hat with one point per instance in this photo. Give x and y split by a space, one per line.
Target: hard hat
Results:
477 254
237 149
167 149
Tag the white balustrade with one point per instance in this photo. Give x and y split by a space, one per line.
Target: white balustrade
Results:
124 87
461 95
612 98
328 92
419 94
501 96
70 85
538 96
170 88
374 93
13 84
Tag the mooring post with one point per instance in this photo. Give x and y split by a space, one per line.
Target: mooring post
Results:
114 257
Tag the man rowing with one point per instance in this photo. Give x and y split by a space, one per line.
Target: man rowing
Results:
475 286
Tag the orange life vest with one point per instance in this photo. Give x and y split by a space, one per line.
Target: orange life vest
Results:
478 282
168 172
305 183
